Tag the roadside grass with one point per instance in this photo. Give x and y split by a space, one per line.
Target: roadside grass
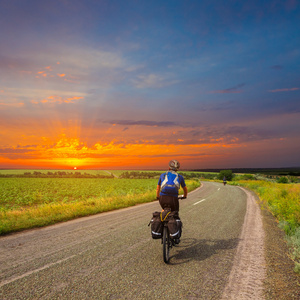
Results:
47 214
35 202
283 200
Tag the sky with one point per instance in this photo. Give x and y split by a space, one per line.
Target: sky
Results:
113 84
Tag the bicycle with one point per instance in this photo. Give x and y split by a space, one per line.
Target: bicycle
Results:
167 241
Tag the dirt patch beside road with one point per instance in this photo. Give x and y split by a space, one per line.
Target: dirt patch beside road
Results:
248 271
262 268
281 281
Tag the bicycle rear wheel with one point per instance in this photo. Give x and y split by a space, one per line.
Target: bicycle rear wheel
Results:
166 245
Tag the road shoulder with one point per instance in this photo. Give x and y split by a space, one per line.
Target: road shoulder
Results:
249 267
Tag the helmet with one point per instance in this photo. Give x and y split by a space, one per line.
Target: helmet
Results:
174 165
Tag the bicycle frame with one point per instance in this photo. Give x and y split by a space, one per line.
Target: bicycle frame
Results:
167 241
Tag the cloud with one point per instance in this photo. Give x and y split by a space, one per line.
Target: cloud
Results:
81 64
277 67
19 152
237 134
232 90
86 58
152 81
20 104
57 99
284 90
10 63
50 73
143 123
30 93
14 150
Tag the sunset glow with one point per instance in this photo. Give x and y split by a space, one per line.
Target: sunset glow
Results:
91 86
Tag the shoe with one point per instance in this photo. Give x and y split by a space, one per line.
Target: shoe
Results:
176 241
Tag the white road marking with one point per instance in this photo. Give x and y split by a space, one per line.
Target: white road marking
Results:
35 271
199 201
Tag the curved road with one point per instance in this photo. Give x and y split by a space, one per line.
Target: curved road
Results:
112 255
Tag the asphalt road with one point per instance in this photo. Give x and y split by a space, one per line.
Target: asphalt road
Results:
112 255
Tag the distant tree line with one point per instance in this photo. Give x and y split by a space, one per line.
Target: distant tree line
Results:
140 175
209 176
58 174
153 175
293 171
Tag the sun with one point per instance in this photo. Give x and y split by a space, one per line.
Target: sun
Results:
75 168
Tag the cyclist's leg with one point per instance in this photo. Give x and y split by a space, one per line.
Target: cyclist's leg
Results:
176 207
165 201
175 204
172 203
169 201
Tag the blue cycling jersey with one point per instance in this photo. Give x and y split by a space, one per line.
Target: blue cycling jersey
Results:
170 183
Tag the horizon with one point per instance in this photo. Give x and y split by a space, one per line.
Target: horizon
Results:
137 169
132 85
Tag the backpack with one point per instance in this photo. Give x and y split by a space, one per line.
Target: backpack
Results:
170 184
156 225
174 225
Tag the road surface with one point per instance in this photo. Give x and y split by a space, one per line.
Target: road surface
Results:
112 255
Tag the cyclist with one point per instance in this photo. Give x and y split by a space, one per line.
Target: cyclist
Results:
168 186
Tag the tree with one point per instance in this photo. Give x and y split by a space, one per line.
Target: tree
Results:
282 180
227 174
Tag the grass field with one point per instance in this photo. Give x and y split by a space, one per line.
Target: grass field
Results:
34 202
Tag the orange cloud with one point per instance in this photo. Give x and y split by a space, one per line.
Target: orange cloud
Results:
67 152
57 99
232 90
61 75
72 99
284 90
20 104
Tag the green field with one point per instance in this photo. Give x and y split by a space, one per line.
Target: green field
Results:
34 202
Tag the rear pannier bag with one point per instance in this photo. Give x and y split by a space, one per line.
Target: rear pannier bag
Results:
156 225
174 225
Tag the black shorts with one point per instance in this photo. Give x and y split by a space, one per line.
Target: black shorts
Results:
169 201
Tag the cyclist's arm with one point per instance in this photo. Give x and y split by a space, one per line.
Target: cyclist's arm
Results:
183 185
157 191
185 191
